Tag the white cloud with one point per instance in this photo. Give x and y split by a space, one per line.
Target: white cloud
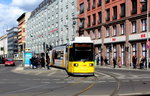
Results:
10 13
26 4
8 16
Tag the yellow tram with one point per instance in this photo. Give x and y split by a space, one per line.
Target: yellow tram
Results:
77 57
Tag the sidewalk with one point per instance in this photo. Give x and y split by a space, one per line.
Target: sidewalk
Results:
21 70
122 68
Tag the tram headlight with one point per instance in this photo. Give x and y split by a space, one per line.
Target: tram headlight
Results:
91 64
75 65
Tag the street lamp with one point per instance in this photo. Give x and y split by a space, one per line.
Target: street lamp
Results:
143 2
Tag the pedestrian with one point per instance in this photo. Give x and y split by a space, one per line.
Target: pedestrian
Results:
48 62
32 60
142 61
106 60
119 61
36 61
39 61
102 60
134 61
114 62
42 62
97 59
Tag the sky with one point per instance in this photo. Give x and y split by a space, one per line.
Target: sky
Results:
11 10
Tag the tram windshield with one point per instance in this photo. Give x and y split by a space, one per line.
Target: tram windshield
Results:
81 52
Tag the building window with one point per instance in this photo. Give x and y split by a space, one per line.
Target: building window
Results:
144 52
99 17
94 34
122 29
144 6
114 30
94 19
134 6
99 33
108 53
115 51
122 53
134 49
89 21
99 3
122 14
81 8
88 5
107 31
81 23
94 4
114 12
144 24
108 14
133 26
107 1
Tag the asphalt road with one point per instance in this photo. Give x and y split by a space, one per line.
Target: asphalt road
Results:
42 82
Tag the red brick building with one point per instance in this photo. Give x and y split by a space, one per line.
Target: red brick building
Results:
117 27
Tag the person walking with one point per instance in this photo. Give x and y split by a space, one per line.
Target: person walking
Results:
42 62
106 60
134 61
142 61
102 60
48 62
97 59
119 62
114 62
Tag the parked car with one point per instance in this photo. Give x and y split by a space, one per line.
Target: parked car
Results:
9 62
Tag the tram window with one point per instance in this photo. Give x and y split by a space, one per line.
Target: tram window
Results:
81 54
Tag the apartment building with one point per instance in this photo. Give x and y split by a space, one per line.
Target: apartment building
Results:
3 46
12 42
117 27
51 23
22 33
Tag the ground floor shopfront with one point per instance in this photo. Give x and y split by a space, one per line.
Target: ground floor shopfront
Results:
122 49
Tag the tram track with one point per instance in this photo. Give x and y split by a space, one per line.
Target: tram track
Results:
87 88
29 88
116 90
48 91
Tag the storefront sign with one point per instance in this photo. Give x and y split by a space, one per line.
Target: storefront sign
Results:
143 35
113 39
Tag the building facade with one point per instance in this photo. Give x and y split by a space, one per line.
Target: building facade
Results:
3 46
50 23
117 27
22 33
12 42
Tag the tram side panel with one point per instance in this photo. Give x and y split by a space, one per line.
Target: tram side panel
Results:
58 58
